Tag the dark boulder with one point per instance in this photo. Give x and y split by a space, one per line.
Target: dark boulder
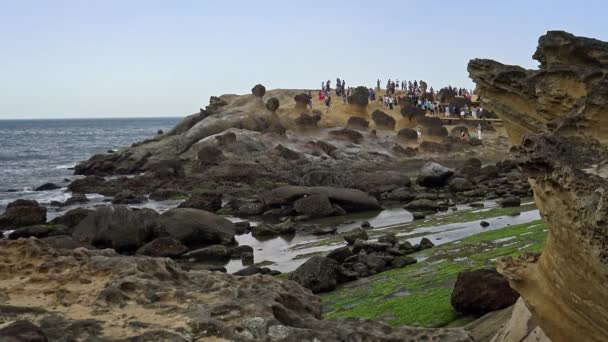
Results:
214 253
208 201
481 291
351 200
167 194
22 331
265 231
510 202
356 234
163 247
75 199
38 231
258 90
197 228
315 205
379 182
272 104
460 185
47 186
340 254
252 270
308 121
117 227
383 120
301 101
357 122
358 99
434 175
484 224
317 274
72 217
22 213
407 135
389 238
425 243
422 205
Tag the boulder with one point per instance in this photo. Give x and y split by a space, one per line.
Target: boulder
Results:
425 243
340 254
75 199
324 230
208 201
266 231
258 90
422 205
383 120
22 331
460 185
481 291
358 99
511 201
272 104
348 135
38 231
197 228
401 194
403 261
308 121
128 197
71 218
163 247
287 153
381 181
65 242
22 213
317 274
434 175
315 205
214 253
356 234
302 101
484 224
252 270
417 215
408 135
389 238
117 227
357 122
351 200
47 186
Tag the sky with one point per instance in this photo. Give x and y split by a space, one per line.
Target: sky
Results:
129 58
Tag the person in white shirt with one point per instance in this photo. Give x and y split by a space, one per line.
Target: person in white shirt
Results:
419 131
479 130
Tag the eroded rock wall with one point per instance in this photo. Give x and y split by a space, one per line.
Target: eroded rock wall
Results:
558 116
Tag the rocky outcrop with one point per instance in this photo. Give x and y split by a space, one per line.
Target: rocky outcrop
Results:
272 104
196 228
481 291
358 100
158 301
302 101
21 213
383 120
351 200
357 122
557 116
258 90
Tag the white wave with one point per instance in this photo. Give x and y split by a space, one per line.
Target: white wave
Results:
65 166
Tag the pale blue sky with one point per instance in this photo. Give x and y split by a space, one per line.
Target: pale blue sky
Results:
64 58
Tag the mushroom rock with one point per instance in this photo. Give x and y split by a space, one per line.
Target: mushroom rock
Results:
272 104
358 100
307 121
302 101
411 116
408 135
258 91
383 120
357 122
558 115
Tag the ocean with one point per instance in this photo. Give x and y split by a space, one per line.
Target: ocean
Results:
34 152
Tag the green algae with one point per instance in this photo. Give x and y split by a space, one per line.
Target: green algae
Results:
419 294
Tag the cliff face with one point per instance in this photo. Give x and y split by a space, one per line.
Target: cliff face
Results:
558 114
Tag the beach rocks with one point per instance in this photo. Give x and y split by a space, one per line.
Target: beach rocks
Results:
47 186
422 205
379 182
383 120
65 242
22 331
163 247
167 194
197 228
481 291
315 205
510 202
327 178
434 175
460 185
208 201
214 253
258 90
117 227
38 231
351 200
21 213
356 234
287 153
340 254
266 231
71 218
317 274
408 135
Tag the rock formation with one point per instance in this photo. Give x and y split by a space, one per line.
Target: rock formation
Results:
383 120
558 116
301 101
358 100
272 104
258 91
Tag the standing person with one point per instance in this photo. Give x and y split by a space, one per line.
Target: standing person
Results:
479 130
327 103
390 102
481 112
343 97
322 86
310 101
462 135
419 132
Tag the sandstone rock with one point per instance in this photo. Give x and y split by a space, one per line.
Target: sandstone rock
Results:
434 175
302 101
258 91
208 201
196 228
272 104
317 274
348 135
21 213
481 291
356 234
307 121
359 99
357 122
163 247
47 186
383 120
